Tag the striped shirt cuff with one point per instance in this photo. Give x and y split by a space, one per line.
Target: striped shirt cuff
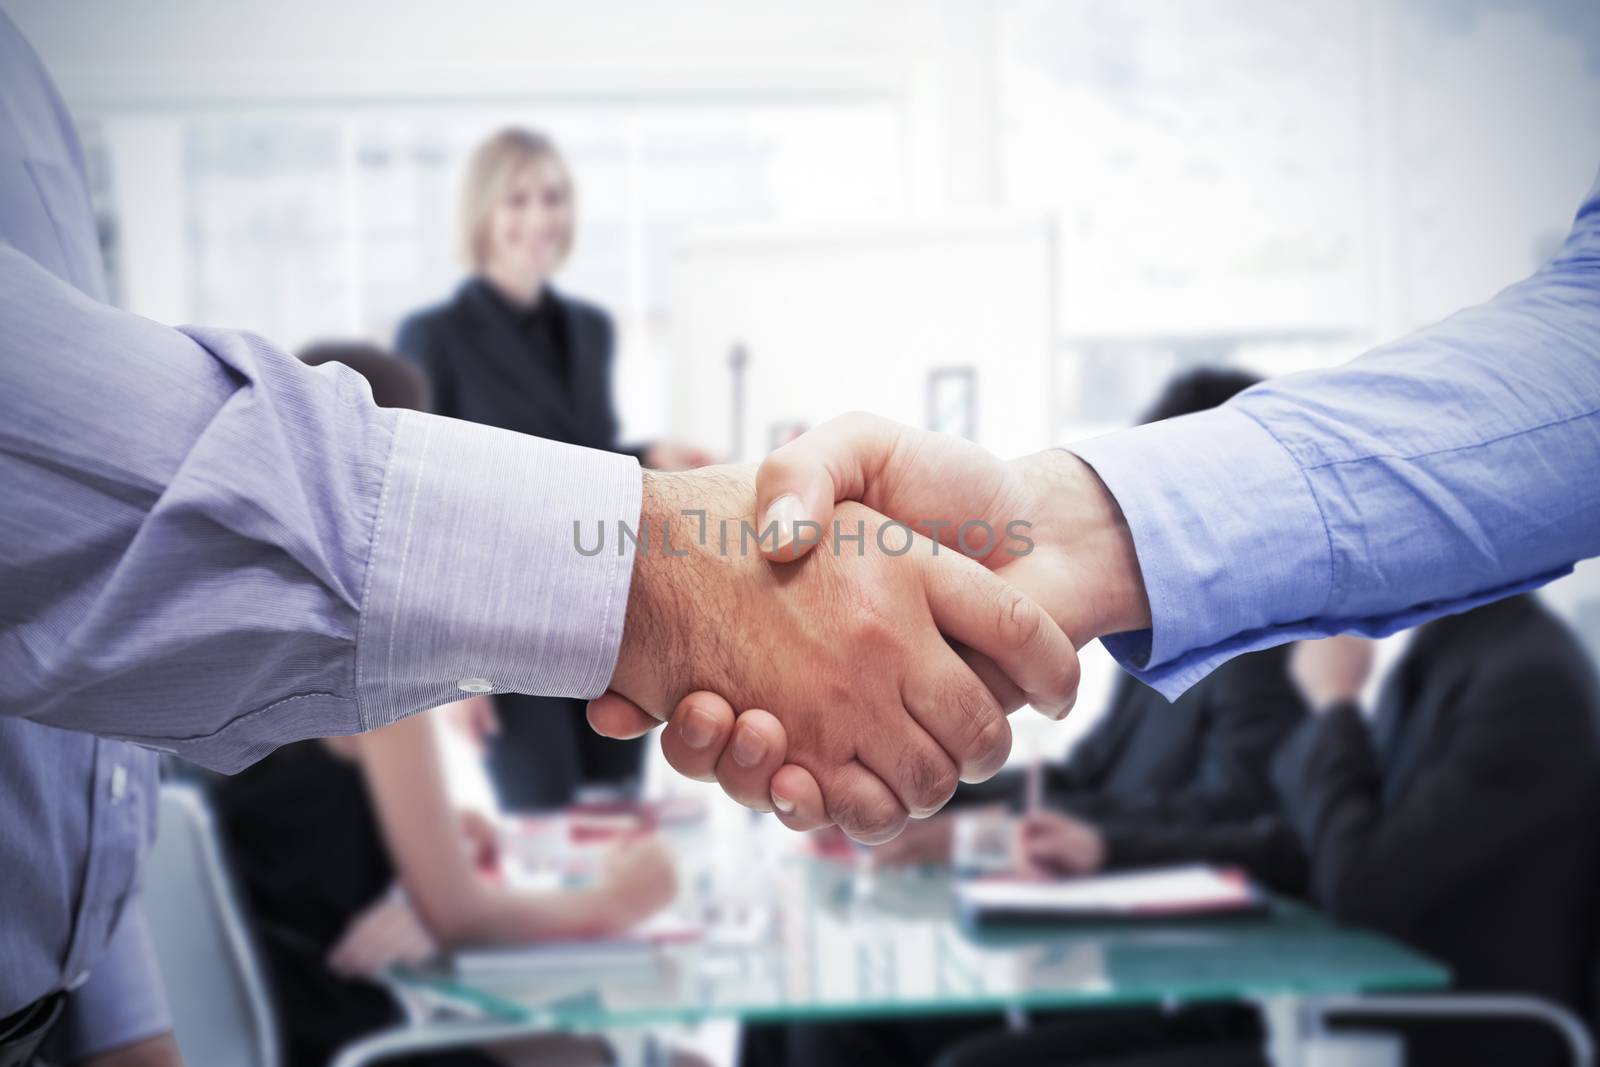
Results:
476 583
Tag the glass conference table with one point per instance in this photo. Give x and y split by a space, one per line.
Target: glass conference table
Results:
818 939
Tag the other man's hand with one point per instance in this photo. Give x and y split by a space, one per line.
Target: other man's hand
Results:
1044 523
1331 671
845 650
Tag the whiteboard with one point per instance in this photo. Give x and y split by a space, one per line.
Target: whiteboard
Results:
850 317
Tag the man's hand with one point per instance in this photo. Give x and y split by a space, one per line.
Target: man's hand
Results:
1331 671
843 649
1052 845
1044 523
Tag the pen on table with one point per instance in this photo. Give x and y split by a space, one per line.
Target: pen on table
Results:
1033 785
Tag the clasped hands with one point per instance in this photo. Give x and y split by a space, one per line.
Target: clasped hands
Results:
916 591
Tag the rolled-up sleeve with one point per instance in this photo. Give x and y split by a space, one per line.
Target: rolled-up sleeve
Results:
123 999
209 548
1450 468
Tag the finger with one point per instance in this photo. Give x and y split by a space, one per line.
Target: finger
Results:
695 739
802 480
753 755
797 799
958 711
614 715
915 766
862 805
1038 824
1005 691
976 607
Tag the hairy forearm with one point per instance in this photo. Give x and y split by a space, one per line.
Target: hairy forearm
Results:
675 584
497 916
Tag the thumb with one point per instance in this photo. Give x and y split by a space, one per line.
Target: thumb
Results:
798 485
614 715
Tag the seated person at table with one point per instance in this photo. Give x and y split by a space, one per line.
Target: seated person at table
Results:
320 834
1459 819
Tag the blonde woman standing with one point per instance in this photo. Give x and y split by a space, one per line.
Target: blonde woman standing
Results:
508 350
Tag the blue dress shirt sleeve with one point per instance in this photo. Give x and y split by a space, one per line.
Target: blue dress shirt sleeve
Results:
210 548
1456 466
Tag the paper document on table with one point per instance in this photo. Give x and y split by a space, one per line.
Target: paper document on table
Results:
1157 893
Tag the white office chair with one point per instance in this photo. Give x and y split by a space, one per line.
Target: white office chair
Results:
220 1012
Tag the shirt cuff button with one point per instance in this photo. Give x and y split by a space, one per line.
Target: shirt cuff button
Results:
474 685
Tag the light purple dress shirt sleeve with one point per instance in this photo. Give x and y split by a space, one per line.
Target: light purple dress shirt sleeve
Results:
210 548
1458 465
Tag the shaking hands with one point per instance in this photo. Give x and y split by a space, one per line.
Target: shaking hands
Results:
916 590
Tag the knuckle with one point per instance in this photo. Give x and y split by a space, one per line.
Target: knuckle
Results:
865 815
931 781
837 693
779 465
1021 620
874 638
971 705
993 742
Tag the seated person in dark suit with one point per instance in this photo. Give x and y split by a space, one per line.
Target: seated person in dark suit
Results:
1202 758
1459 819
511 351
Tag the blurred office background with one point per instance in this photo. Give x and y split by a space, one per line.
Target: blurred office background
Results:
1013 219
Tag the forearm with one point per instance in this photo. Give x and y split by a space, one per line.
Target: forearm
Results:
498 916
1189 806
213 549
1264 846
1450 468
484 913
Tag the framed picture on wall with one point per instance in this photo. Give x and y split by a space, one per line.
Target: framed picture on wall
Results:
953 401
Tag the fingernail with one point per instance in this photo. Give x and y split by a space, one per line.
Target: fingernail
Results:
783 804
748 748
698 728
787 512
